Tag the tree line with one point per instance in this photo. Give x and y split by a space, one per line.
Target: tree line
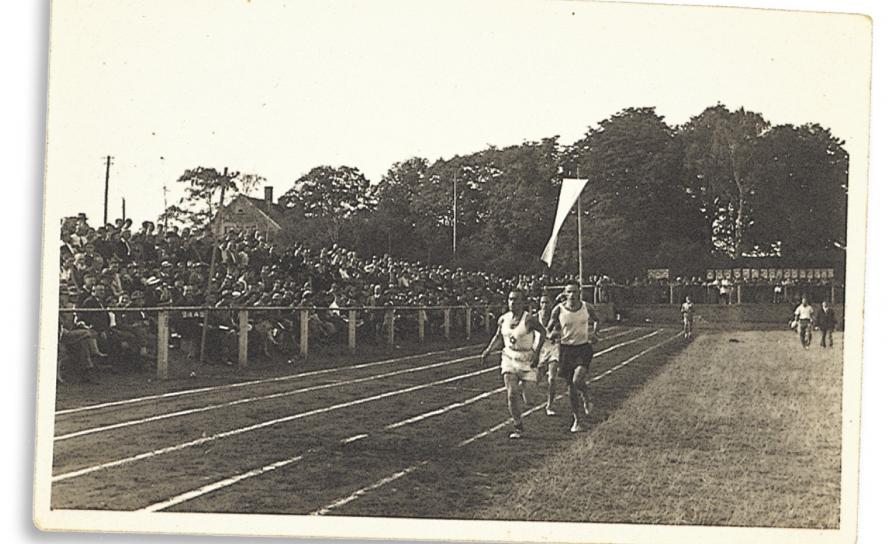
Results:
723 187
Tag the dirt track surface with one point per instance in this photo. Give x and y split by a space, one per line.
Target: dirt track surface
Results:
387 439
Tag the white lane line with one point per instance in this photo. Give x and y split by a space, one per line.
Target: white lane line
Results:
415 419
192 411
270 396
272 380
476 398
256 382
439 411
228 482
388 479
220 484
364 490
241 430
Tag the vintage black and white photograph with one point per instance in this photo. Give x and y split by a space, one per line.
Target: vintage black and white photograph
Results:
429 270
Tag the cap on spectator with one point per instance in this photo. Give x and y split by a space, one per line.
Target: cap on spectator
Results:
153 280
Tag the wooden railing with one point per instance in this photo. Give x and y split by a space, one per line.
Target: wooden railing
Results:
243 321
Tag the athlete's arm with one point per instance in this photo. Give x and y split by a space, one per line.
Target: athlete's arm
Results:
533 323
593 317
496 342
554 326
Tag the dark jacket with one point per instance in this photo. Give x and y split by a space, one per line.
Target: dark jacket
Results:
826 319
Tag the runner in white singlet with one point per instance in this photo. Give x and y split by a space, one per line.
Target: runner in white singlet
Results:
570 322
515 334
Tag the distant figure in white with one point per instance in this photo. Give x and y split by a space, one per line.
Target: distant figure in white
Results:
804 314
570 323
520 357
687 317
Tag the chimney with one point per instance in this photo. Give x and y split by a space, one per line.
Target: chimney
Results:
269 195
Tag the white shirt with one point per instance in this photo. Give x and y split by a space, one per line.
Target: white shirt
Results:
575 324
804 311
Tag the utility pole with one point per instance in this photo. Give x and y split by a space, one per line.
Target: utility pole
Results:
454 216
203 332
580 233
123 208
107 177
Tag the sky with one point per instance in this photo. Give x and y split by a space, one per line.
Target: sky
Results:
275 88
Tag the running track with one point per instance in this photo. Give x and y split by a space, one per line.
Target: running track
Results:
334 441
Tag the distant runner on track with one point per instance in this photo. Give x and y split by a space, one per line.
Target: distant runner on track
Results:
687 317
515 334
570 323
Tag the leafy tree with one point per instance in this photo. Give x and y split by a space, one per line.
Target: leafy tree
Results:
634 201
202 190
330 196
719 158
801 196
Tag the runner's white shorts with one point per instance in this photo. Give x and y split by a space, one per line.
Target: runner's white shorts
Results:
518 363
549 353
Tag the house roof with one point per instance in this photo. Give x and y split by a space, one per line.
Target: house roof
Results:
276 212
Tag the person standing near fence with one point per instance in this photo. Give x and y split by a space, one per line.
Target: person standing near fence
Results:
515 334
570 323
804 315
826 321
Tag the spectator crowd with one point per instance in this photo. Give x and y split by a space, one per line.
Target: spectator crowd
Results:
109 272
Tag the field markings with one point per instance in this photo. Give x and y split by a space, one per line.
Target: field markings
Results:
255 382
184 392
210 407
392 477
192 411
189 495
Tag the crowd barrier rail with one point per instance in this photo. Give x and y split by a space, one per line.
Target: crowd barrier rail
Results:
469 319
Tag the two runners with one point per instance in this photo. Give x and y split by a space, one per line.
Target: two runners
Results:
566 342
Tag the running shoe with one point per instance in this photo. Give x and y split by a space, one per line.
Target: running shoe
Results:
550 412
577 427
517 431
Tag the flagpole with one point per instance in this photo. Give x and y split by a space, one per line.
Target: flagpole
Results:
579 235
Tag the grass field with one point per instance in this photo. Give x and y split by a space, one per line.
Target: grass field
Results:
741 429
715 432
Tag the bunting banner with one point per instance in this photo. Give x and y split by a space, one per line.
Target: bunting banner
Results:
570 191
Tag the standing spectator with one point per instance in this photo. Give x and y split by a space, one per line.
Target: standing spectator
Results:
826 321
804 315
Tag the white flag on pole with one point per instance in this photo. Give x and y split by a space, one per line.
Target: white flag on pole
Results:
570 191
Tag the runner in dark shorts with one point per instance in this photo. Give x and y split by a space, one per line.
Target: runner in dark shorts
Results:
573 357
570 324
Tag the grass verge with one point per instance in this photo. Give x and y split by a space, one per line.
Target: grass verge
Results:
739 429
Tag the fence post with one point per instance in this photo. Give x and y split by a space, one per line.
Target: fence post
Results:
163 345
421 320
303 333
739 293
487 320
390 325
243 329
468 323
671 294
352 330
447 323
